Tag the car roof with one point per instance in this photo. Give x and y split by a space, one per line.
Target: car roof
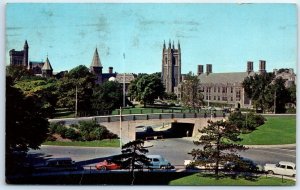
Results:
287 163
56 159
154 156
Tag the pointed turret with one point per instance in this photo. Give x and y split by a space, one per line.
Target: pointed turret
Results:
96 67
26 44
96 60
164 44
170 43
47 68
178 44
173 45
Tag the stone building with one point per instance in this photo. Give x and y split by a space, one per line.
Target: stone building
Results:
39 68
171 66
226 88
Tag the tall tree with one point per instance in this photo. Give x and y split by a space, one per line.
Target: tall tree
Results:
107 97
133 152
147 88
219 144
191 97
84 81
25 125
257 88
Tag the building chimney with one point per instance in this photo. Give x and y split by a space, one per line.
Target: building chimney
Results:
200 70
262 66
208 69
249 66
110 70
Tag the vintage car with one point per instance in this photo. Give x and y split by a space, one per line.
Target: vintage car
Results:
281 168
159 162
107 165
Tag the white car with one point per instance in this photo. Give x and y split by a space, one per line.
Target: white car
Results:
281 168
159 162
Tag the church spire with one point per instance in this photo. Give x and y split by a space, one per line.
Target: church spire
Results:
96 60
26 45
164 44
173 45
47 66
178 44
170 43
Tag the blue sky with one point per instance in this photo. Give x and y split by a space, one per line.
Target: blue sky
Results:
225 35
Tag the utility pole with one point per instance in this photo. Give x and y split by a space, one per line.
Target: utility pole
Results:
124 105
76 102
120 127
275 102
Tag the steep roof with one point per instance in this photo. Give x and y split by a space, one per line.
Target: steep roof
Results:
236 77
47 65
96 60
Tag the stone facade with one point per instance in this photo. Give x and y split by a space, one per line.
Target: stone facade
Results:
20 58
226 88
171 67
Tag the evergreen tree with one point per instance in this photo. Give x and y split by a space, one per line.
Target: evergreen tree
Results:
219 145
132 153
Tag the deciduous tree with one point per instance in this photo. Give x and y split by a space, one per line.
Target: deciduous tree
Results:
191 96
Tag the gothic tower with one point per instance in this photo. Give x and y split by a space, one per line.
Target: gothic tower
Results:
171 66
96 67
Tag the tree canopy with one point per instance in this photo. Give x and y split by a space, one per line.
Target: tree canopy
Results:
191 97
146 88
84 81
268 93
25 125
107 97
43 91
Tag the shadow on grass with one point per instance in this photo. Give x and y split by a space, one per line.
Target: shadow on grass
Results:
246 176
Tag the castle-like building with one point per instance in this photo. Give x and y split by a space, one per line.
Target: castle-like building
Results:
227 88
171 66
20 58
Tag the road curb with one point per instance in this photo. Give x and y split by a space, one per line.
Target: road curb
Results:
271 146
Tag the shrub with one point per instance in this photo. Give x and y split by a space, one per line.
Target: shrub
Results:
70 133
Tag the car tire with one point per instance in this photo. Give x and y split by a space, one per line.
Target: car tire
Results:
102 168
270 172
294 175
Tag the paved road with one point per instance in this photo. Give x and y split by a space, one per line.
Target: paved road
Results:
174 150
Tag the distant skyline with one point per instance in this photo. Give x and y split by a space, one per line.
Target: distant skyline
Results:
224 35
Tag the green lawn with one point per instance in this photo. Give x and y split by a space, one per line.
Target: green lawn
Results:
196 179
276 130
102 143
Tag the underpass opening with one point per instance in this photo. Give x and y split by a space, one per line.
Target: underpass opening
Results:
172 130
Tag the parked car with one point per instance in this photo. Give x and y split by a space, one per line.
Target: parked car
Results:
281 168
107 165
159 162
58 164
243 165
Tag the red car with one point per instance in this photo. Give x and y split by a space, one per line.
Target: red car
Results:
107 165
